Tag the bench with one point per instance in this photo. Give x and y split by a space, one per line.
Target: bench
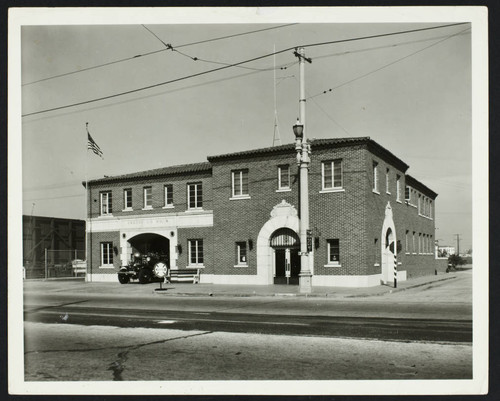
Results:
79 266
185 275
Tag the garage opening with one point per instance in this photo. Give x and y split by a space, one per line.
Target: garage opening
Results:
149 242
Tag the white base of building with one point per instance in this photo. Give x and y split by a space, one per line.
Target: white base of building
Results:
101 278
231 279
346 281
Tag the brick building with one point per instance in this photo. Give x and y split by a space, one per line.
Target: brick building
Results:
236 217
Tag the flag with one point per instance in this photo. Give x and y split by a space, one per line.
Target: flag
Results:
92 145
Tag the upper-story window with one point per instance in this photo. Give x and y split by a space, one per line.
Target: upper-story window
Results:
148 197
387 175
168 190
398 187
284 177
106 203
195 195
331 174
127 198
240 183
375 176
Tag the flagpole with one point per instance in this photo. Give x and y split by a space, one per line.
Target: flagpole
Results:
88 237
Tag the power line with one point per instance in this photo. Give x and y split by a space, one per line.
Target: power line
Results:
387 65
154 52
233 65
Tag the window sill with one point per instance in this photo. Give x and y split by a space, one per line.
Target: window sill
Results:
168 207
194 210
388 193
128 209
194 267
398 201
147 208
240 197
284 190
333 265
105 216
106 267
326 191
376 264
240 266
375 191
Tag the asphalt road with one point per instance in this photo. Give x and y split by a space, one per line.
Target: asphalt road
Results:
289 316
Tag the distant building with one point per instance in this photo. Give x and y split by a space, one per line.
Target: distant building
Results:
443 251
64 239
236 217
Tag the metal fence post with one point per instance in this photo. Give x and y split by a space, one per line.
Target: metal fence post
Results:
46 266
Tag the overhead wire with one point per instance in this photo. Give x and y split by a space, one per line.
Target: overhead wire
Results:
386 65
154 52
234 65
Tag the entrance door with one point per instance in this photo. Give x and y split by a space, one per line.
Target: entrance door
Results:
286 261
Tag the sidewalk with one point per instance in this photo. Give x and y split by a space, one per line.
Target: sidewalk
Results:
227 290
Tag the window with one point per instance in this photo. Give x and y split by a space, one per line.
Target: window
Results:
332 174
195 195
169 195
398 188
387 181
407 241
106 203
375 177
241 253
195 252
407 194
430 209
240 183
148 198
413 245
419 242
419 205
106 254
127 198
333 250
284 177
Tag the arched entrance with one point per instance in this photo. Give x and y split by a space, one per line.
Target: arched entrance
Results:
286 261
389 247
149 242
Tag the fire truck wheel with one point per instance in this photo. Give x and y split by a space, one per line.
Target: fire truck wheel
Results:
144 276
123 278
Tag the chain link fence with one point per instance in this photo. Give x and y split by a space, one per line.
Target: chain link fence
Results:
57 263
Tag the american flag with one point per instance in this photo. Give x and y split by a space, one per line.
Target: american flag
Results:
92 145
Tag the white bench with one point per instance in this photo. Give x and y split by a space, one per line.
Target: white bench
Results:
185 275
79 266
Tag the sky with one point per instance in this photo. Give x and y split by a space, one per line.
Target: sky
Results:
410 92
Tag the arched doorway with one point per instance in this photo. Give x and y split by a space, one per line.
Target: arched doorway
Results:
150 242
286 261
389 247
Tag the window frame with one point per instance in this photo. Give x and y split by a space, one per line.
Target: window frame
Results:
126 193
109 251
168 193
145 197
332 164
198 195
387 179
398 188
282 187
375 187
243 175
329 247
196 242
239 246
108 203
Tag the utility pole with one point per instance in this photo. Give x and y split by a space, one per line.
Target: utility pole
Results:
458 244
303 150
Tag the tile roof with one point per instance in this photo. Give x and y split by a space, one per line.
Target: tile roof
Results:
171 170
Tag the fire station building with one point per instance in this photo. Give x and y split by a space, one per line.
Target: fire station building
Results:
235 217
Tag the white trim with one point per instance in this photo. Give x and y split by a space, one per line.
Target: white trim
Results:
101 277
147 208
284 190
327 191
168 206
375 192
332 265
346 281
106 267
239 197
398 201
241 265
128 209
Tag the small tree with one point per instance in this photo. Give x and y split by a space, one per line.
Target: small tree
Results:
454 261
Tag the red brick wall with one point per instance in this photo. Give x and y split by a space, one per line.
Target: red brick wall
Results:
204 233
95 246
179 194
241 220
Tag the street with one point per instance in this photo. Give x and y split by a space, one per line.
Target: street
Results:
79 333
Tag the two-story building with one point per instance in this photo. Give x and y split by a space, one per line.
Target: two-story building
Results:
236 217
